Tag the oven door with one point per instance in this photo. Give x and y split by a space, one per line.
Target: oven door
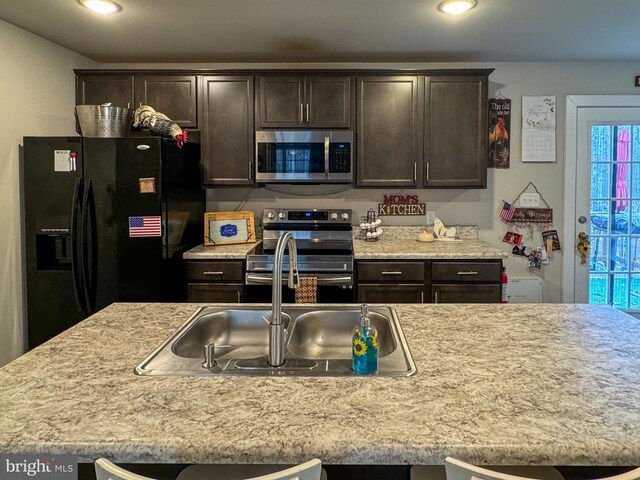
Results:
332 288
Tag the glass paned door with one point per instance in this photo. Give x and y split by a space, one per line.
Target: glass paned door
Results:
614 259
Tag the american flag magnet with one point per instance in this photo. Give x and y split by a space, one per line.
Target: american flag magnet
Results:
145 226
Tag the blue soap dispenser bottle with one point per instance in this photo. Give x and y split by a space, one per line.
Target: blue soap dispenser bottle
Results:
364 345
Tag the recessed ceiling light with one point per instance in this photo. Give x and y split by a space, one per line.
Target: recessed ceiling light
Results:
101 6
455 7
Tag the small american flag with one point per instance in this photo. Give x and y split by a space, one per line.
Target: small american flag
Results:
507 211
145 226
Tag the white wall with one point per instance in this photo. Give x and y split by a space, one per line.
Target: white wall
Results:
37 97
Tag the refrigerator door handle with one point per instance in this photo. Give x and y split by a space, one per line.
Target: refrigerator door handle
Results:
76 257
89 264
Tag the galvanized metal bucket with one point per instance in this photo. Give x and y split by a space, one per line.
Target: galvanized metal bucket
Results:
104 120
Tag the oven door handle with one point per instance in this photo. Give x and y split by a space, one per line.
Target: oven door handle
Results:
256 279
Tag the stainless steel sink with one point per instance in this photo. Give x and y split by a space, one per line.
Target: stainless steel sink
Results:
327 334
318 343
237 334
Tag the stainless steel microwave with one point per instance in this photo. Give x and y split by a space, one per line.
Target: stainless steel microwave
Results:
311 156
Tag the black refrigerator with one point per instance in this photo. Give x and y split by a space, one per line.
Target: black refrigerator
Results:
105 220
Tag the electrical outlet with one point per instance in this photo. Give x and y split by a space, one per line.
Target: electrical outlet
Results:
530 200
430 217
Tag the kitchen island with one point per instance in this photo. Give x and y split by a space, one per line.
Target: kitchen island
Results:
496 384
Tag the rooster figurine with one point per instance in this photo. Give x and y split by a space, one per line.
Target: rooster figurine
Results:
159 124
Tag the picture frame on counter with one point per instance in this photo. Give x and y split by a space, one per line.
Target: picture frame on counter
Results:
228 228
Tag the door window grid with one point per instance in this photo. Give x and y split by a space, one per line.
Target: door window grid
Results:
614 264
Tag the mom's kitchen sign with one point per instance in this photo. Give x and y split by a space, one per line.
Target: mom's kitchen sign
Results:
401 205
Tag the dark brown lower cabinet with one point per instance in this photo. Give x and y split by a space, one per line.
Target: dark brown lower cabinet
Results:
215 281
386 293
469 293
215 292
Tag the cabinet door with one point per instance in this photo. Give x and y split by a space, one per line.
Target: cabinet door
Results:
470 293
215 292
385 293
103 88
227 130
455 132
328 102
173 95
281 102
388 135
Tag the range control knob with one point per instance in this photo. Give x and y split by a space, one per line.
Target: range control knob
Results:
271 215
282 215
334 216
345 216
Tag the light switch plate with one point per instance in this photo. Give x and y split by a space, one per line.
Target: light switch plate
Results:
530 200
430 217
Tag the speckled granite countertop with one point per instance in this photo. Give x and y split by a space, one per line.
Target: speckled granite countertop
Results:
396 249
221 252
497 384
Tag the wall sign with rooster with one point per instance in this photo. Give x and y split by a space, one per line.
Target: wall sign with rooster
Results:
499 128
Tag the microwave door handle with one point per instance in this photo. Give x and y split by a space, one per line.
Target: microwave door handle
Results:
326 157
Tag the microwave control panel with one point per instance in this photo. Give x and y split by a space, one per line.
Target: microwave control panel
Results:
339 158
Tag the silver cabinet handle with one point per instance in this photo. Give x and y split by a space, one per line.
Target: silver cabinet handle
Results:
307 107
422 297
239 301
391 273
427 167
208 272
435 297
468 273
415 171
301 113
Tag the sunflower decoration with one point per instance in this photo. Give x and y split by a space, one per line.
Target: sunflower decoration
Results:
374 340
359 347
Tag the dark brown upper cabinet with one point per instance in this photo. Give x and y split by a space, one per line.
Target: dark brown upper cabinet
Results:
313 101
173 95
227 129
455 132
105 88
389 140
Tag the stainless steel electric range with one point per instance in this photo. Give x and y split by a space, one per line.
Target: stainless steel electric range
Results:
324 240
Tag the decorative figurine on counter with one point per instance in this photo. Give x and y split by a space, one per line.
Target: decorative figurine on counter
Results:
159 124
443 233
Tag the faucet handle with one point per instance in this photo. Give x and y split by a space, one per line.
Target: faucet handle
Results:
209 352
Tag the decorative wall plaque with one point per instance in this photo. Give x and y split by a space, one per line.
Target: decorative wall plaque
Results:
402 205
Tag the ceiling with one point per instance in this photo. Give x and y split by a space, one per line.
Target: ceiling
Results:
336 30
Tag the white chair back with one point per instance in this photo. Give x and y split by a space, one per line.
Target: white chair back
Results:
311 470
458 470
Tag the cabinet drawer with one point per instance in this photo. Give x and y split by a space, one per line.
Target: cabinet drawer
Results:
215 271
391 272
215 292
385 293
456 293
466 272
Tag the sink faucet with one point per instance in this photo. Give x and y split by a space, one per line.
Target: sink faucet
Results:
276 326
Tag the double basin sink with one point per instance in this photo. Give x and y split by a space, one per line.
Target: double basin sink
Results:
317 343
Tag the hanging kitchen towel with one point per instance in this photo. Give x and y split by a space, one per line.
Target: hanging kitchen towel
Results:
307 291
